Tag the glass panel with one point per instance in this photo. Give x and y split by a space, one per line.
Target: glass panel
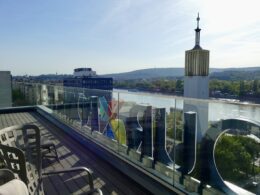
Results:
241 151
148 122
177 121
195 125
44 95
85 112
59 101
38 94
186 142
237 140
50 94
71 105
108 111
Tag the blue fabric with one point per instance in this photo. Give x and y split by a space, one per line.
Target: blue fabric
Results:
109 133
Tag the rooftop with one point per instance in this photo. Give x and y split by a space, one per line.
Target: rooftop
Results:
71 154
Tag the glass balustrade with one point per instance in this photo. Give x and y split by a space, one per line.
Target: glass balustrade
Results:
204 146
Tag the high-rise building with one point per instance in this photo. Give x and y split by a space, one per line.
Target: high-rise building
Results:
92 84
5 89
87 78
196 81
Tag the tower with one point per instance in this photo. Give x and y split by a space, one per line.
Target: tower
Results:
196 83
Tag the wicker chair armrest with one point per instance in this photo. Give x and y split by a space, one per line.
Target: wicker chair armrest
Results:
6 175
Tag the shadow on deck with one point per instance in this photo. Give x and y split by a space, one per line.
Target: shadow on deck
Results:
72 154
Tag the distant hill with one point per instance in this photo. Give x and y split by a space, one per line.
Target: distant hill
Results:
169 73
235 75
148 73
216 73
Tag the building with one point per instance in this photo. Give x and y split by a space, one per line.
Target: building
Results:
196 83
78 72
5 89
87 78
86 81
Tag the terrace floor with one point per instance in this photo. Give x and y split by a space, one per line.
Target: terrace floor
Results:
72 154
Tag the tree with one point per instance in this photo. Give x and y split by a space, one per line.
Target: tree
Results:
171 124
179 85
241 88
235 157
255 86
19 98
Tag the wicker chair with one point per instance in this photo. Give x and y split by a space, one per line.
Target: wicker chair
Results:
47 147
10 185
20 152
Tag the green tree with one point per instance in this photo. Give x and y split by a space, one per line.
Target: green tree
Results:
255 86
242 88
235 156
171 124
179 85
18 98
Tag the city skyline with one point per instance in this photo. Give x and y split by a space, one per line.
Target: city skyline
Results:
120 36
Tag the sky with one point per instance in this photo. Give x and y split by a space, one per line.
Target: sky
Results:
110 36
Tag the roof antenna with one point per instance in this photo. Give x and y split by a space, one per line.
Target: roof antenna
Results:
197 37
198 20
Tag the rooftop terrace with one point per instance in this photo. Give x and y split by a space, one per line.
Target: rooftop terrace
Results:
73 154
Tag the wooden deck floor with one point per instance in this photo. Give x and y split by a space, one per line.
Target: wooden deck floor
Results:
72 154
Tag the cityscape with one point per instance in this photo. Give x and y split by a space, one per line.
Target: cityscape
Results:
111 129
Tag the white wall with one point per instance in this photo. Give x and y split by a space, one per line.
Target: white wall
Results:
196 87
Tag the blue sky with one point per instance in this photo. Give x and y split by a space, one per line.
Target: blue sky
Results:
40 37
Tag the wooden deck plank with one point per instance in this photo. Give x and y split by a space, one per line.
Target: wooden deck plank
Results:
69 179
72 154
114 179
68 159
50 189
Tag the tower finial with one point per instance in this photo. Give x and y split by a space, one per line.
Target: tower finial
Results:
198 20
197 34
